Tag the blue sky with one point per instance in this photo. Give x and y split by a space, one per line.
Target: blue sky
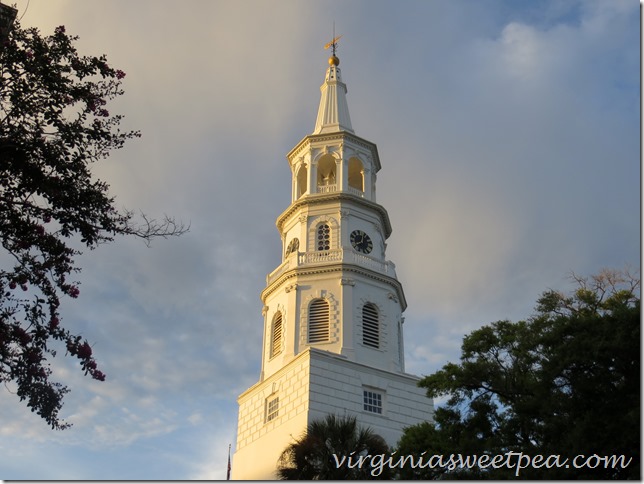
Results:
509 138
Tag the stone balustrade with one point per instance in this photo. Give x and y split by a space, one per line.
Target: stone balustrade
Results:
347 256
327 188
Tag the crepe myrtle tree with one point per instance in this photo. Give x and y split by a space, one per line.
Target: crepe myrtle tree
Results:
54 123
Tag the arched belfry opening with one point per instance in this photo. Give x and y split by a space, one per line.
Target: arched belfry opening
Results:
301 181
326 180
356 174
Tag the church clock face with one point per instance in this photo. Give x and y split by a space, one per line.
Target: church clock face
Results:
293 246
361 241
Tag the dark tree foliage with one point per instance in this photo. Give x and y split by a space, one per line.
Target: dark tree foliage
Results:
566 381
54 123
311 457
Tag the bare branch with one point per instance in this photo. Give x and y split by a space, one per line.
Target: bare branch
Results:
151 228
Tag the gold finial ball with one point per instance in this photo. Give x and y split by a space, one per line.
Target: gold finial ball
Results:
334 61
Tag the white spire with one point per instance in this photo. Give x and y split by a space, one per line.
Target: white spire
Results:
333 114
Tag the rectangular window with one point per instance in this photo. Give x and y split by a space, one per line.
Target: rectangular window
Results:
272 408
372 401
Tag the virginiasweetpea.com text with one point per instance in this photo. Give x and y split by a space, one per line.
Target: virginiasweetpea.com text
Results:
511 460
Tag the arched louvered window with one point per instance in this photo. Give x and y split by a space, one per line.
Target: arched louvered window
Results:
276 335
370 326
323 237
319 321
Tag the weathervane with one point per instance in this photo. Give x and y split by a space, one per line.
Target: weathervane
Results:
334 42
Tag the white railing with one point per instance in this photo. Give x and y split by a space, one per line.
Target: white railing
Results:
367 261
335 255
327 188
281 269
334 188
316 257
356 191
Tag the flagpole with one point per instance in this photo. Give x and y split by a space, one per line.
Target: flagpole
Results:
228 471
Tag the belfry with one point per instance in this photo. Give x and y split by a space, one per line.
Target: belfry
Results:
333 324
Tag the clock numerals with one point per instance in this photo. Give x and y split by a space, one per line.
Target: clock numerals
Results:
361 241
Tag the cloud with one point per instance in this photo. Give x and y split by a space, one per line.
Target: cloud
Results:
501 174
509 140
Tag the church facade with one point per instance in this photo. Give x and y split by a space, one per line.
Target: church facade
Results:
333 324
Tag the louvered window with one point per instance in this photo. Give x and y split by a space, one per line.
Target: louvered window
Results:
370 326
318 321
276 335
324 237
401 353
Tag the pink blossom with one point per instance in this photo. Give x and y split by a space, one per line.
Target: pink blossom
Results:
22 335
85 350
72 348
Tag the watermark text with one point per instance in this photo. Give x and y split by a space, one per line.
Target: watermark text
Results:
516 461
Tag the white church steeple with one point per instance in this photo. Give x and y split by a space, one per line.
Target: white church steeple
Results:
332 308
333 113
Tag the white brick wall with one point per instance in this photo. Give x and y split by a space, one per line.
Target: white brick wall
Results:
315 384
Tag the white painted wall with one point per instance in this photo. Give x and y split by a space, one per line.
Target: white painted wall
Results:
312 386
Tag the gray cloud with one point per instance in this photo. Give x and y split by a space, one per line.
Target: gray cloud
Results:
509 140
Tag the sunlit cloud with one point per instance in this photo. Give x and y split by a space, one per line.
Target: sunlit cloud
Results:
509 142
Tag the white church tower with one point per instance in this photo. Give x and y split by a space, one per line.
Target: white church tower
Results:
333 324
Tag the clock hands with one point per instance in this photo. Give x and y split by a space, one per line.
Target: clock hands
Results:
361 241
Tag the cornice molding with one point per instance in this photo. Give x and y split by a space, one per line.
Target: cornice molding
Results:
341 136
327 269
310 353
320 198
